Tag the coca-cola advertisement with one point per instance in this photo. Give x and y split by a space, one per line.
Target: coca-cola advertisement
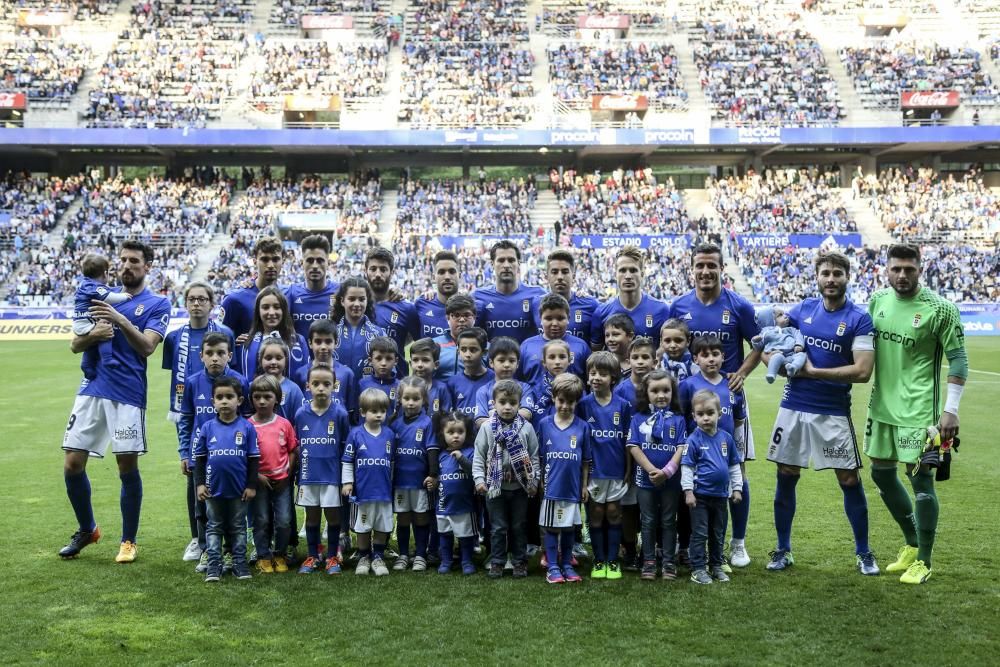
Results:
622 102
13 101
326 22
603 22
929 99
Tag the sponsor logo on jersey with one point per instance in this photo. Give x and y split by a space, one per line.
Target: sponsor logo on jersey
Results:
808 320
214 439
893 337
429 313
725 317
306 427
687 316
881 313
592 420
916 320
824 344
201 397
298 299
841 328
139 309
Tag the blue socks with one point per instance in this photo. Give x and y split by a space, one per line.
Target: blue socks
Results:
78 490
467 546
131 504
403 539
566 541
332 538
378 551
597 542
421 535
784 509
614 540
447 547
741 513
856 509
312 540
551 541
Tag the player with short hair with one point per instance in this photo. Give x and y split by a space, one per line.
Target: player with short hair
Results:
425 357
397 316
915 330
431 310
504 309
238 307
112 406
311 300
560 275
461 314
648 314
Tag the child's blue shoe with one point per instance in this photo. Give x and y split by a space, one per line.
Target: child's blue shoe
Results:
309 565
468 567
444 567
570 575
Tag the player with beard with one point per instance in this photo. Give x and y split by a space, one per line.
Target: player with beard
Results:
312 299
560 274
431 310
237 307
505 308
392 313
647 313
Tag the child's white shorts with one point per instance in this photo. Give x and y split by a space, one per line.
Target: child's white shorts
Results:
559 514
410 500
376 515
318 495
607 490
462 525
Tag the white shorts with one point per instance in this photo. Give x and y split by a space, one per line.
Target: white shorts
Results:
318 495
462 525
410 500
828 439
96 421
375 515
630 497
607 490
559 514
750 454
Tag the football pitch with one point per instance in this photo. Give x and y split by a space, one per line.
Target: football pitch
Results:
158 611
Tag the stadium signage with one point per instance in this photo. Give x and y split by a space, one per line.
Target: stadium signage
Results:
640 240
619 102
305 102
929 99
13 101
668 137
576 137
606 22
797 240
762 134
43 19
326 22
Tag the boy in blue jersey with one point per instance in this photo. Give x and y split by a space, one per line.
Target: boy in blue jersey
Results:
641 359
238 306
465 386
367 479
608 417
673 352
710 474
505 308
647 314
461 314
554 315
619 332
456 493
93 287
411 477
565 457
425 357
311 301
322 343
396 316
504 357
431 311
226 457
321 427
383 360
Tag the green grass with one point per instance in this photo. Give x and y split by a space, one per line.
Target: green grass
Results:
158 611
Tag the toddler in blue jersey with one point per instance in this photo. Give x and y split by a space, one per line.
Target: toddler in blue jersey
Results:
93 286
504 358
415 444
564 454
366 478
555 361
465 386
456 492
710 476
382 359
673 351
321 427
272 359
425 358
322 343
784 343
226 458
656 442
608 417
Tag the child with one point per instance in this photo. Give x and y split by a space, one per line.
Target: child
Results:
710 473
504 356
411 474
784 343
673 351
456 493
226 458
277 442
555 361
464 386
321 427
425 357
656 443
382 359
353 313
642 359
554 315
93 287
608 417
564 452
273 360
619 331
506 470
367 476
322 343
271 319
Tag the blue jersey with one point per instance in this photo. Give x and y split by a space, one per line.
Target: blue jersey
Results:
456 490
563 453
125 381
581 316
182 357
399 319
734 407
626 390
291 399
449 363
506 314
388 387
307 306
731 317
484 398
352 345
658 436
608 429
237 309
413 438
541 398
439 396
830 342
431 316
711 457
465 389
226 448
529 365
648 318
197 408
344 387
371 456
90 290
682 368
245 359
321 443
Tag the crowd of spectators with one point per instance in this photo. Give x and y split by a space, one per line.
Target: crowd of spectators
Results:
30 207
82 10
469 21
563 15
289 12
578 71
787 275
351 69
222 19
841 7
46 69
442 207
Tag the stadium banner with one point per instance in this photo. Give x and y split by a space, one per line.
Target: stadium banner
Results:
798 240
326 22
17 101
980 319
31 18
883 18
619 102
929 99
306 102
619 240
311 221
606 22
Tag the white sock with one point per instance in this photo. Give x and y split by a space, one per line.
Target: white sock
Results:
735 543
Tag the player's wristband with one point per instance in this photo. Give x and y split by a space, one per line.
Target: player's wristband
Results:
954 398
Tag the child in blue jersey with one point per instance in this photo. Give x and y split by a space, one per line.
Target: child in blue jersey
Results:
425 358
504 356
322 344
226 457
382 359
93 287
641 359
673 352
505 470
564 454
415 444
321 427
273 360
271 319
619 332
553 312
354 315
465 386
656 443
608 417
456 493
555 361
710 474
367 479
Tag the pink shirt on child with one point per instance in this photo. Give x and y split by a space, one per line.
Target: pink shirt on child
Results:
275 439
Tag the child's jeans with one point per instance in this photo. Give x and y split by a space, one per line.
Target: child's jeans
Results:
658 515
708 524
226 516
508 518
278 501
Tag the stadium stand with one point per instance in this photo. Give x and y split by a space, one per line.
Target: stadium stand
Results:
212 19
465 207
289 13
30 207
48 70
352 69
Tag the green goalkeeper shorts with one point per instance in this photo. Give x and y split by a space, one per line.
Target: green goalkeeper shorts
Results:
904 444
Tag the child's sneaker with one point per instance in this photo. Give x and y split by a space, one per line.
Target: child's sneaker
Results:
701 576
213 574
614 570
444 567
309 565
648 570
570 575
580 551
265 566
242 571
669 572
599 571
127 552
532 550
554 576
520 570
401 563
333 565
378 567
719 574
496 571
509 565
364 566
468 568
633 563
227 563
280 564
419 564
192 551
202 565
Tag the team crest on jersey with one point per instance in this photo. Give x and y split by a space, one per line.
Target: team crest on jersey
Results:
179 389
725 317
367 370
616 418
841 328
725 449
329 427
579 316
572 442
333 299
673 432
420 435
394 317
916 320
526 306
141 307
336 387
559 514
649 321
732 398
392 394
238 439
437 404
388 446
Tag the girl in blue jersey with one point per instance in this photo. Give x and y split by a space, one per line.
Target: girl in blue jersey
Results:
656 443
271 319
273 360
414 444
354 312
456 492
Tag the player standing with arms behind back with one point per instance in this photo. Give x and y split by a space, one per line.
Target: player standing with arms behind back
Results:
915 329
